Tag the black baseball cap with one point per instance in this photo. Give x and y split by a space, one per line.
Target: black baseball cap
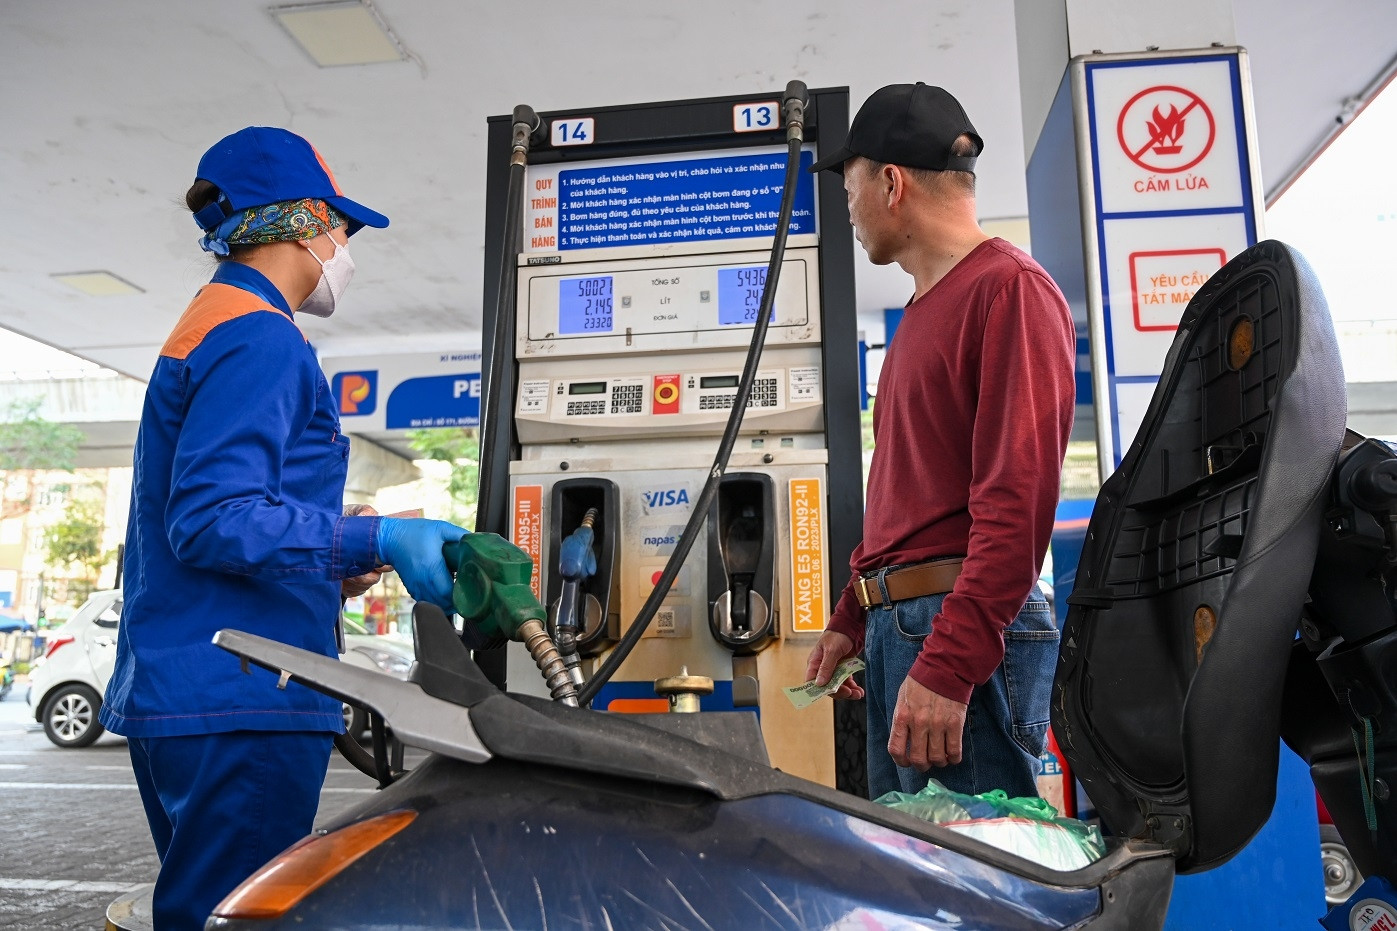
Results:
913 125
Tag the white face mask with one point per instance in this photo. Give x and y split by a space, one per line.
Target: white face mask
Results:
335 275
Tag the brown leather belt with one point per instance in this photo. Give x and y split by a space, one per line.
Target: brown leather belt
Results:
926 578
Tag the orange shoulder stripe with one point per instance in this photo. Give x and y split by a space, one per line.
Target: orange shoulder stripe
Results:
214 304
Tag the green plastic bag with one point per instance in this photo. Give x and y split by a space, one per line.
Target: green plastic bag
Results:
1027 827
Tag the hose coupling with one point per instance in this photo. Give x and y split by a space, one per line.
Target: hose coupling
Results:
793 110
549 661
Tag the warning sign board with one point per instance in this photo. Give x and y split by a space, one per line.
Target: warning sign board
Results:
1166 129
1166 135
1163 282
1145 265
1173 198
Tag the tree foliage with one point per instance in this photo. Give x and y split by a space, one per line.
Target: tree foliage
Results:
460 446
77 539
29 443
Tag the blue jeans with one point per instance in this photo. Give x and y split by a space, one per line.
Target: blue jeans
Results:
220 806
1006 724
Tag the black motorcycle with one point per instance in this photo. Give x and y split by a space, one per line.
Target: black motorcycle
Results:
1236 588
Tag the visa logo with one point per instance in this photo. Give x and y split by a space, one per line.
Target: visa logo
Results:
666 497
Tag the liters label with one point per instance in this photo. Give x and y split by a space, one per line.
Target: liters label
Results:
808 597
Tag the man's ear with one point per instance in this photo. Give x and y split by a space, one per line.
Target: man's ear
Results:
894 184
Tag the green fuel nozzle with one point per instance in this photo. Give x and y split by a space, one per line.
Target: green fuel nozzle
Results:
492 590
494 598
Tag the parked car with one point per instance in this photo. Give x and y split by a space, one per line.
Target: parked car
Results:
389 653
66 685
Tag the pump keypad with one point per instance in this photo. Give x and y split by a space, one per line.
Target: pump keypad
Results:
763 395
628 399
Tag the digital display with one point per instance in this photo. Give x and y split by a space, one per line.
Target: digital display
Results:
584 305
587 387
718 381
740 295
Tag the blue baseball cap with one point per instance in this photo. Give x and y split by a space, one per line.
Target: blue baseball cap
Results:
265 165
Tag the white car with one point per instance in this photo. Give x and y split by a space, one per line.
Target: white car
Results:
67 684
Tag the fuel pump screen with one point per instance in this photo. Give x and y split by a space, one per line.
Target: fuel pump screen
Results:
740 295
584 305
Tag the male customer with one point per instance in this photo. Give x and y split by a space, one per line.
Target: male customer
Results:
975 403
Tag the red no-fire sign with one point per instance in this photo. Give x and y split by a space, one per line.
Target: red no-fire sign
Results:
1166 129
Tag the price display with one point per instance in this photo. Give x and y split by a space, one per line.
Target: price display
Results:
584 305
740 295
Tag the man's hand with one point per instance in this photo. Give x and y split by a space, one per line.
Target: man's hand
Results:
927 727
831 650
356 586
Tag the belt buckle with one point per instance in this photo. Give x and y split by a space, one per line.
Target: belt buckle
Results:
863 591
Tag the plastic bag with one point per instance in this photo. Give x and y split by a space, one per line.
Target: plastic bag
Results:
1026 827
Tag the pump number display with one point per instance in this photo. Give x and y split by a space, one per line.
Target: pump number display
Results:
584 306
740 295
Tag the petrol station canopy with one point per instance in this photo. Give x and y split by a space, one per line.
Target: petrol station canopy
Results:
108 106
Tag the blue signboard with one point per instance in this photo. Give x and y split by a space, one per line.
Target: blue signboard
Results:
435 401
682 200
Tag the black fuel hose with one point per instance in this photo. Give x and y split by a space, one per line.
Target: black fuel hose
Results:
356 755
495 412
793 109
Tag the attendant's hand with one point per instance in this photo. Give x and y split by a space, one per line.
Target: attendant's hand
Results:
413 547
927 727
356 586
831 650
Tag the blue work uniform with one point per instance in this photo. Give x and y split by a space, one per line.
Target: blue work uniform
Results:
235 522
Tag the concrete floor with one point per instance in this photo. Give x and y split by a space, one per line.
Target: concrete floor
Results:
75 835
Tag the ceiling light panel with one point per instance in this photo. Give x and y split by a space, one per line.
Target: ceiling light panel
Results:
98 283
340 32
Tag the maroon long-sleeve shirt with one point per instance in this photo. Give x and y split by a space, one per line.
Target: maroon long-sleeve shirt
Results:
974 408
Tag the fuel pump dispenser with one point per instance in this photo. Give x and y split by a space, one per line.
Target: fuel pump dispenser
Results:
642 274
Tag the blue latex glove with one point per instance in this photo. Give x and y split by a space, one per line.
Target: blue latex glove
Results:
412 546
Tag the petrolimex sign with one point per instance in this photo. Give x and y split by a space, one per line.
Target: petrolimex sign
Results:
406 392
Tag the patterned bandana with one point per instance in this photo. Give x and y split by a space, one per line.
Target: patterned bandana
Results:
280 222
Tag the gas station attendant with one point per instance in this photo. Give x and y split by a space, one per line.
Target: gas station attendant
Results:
236 522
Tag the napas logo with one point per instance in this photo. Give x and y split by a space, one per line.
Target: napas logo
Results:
356 392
